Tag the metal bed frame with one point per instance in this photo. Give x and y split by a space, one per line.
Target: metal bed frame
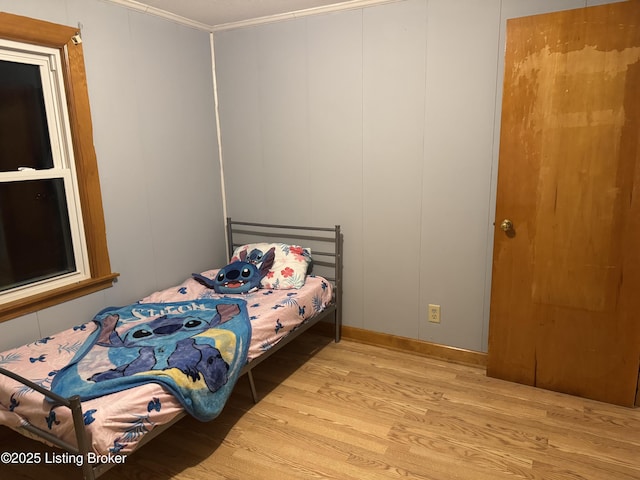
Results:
328 259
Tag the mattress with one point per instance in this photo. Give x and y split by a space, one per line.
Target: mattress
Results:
116 423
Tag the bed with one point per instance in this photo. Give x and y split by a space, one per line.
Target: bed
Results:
46 394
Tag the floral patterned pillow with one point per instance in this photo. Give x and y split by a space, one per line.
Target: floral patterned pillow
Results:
290 264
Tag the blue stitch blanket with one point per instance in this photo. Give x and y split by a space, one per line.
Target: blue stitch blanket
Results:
195 349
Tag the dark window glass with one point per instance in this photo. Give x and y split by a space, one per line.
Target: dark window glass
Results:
34 231
24 136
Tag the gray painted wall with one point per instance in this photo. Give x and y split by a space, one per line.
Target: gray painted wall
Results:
151 92
383 119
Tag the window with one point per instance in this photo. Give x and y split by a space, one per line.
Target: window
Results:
52 235
40 223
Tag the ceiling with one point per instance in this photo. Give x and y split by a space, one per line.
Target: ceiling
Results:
214 13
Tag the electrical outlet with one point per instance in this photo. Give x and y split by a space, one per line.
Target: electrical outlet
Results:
434 313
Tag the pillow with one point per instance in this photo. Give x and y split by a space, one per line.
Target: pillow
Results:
290 264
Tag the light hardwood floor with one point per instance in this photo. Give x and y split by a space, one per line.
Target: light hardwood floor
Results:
352 411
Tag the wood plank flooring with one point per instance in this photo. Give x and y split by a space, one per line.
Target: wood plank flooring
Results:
350 411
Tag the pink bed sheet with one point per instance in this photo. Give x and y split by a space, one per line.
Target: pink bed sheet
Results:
273 313
116 423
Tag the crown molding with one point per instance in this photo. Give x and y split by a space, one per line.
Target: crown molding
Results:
351 5
140 7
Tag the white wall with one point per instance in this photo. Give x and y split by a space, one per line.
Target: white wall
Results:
151 94
385 120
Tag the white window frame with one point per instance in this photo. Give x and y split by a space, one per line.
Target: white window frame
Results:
49 63
68 42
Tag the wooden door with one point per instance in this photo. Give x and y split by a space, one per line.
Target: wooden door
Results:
565 301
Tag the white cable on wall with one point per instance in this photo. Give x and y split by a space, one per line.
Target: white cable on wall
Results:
218 136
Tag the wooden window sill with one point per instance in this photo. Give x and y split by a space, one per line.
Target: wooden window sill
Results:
34 303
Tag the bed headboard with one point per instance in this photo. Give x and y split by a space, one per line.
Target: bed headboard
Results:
325 244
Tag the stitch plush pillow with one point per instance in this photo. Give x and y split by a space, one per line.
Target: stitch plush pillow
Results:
289 268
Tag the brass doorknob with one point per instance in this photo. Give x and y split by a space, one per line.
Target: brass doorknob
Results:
506 225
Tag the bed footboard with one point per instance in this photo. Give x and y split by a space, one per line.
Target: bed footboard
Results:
73 403
90 469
